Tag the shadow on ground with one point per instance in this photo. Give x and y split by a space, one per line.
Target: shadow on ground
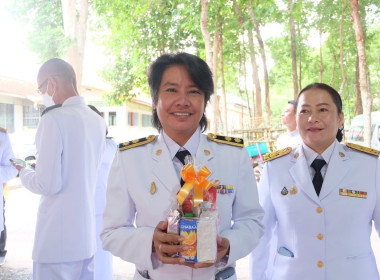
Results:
7 273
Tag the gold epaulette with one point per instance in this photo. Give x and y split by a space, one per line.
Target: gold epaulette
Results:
277 154
363 149
238 142
136 143
2 129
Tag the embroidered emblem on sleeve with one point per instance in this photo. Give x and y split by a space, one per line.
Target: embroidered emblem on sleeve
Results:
363 149
238 142
136 143
277 154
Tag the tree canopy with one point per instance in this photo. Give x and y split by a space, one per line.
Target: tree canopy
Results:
246 36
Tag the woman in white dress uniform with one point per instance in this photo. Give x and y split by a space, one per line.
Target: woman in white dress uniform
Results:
319 232
144 180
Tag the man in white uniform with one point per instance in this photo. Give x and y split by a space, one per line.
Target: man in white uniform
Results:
70 142
291 138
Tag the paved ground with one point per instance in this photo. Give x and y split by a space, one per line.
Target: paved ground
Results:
21 209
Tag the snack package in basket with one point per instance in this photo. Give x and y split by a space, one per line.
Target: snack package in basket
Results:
196 218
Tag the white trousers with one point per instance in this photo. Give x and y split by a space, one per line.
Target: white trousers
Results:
80 270
102 259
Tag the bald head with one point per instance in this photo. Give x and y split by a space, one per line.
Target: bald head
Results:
60 68
57 78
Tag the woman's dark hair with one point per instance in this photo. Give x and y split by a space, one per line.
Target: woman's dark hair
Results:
335 97
199 73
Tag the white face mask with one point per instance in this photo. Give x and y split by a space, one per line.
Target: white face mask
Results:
47 100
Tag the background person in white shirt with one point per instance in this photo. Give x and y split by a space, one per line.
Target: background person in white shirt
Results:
70 141
291 138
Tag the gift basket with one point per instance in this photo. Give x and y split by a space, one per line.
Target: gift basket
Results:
195 216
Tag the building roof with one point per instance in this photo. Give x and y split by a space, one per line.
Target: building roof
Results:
18 88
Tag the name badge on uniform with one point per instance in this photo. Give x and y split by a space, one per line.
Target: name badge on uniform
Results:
222 189
352 193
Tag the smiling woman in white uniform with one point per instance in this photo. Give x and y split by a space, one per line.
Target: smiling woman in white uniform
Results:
144 180
319 234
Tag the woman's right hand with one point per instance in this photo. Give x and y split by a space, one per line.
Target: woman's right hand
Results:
166 244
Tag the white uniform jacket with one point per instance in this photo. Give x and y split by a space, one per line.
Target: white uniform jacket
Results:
329 235
103 259
7 171
70 141
132 212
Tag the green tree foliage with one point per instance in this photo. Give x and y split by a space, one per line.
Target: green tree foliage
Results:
136 32
43 20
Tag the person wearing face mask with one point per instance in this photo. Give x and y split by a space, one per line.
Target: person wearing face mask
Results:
145 178
70 139
320 200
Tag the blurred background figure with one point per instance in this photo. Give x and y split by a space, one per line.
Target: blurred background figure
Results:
291 138
7 172
70 142
102 258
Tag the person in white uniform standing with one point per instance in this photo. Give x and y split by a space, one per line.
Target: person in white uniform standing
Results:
144 180
102 258
291 138
322 198
70 140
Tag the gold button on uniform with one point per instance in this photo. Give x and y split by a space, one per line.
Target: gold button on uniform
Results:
320 236
319 210
320 264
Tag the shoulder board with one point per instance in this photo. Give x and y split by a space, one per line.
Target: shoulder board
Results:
238 142
50 108
136 143
2 129
277 154
363 149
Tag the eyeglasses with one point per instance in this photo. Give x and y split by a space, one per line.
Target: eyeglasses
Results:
41 85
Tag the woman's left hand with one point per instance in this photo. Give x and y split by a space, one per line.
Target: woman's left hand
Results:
223 245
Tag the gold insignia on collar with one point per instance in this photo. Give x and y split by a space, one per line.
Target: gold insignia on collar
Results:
207 152
293 190
153 188
158 152
277 154
296 155
284 191
238 142
363 149
136 143
342 154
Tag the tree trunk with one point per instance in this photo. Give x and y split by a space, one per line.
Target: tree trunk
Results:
75 28
243 73
365 94
205 33
344 76
264 60
256 80
293 49
223 86
333 70
358 110
214 98
321 69
209 59
241 22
